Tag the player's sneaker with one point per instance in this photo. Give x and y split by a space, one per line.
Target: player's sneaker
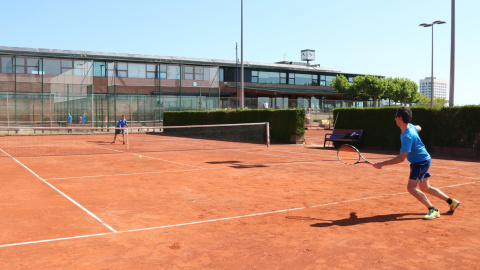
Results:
453 205
432 214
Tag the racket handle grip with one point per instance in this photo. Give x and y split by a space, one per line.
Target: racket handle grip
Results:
371 163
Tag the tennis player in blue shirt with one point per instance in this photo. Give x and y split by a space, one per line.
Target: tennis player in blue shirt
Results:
120 129
414 151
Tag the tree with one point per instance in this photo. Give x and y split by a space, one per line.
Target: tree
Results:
369 86
340 84
391 88
425 100
407 91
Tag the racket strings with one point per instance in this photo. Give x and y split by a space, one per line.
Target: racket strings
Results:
348 154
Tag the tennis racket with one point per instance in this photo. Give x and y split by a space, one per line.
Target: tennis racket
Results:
350 155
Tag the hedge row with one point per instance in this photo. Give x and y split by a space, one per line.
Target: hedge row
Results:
283 123
451 127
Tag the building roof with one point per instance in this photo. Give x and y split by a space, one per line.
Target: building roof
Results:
157 58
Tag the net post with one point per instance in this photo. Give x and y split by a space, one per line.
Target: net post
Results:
126 133
268 133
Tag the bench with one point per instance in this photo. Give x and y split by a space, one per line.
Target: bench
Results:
342 135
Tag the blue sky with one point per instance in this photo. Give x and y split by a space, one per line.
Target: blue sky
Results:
369 37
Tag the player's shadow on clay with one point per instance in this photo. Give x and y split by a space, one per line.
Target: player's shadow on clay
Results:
237 164
355 220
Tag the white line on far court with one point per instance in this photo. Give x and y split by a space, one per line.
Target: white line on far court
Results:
219 219
61 193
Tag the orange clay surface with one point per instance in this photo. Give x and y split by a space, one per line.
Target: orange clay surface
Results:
193 204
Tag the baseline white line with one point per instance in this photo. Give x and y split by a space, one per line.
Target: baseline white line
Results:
220 219
61 193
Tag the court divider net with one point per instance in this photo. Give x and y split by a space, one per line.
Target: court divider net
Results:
29 141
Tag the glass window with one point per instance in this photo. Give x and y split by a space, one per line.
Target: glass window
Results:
99 69
188 69
206 74
32 62
80 67
121 74
163 71
199 73
20 61
34 66
254 76
20 65
110 69
7 64
151 67
151 75
122 66
329 79
137 70
51 66
67 64
303 79
20 69
268 77
187 72
122 70
173 72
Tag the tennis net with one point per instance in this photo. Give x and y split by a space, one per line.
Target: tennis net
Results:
29 141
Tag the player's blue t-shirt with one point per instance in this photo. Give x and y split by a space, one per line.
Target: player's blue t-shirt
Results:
121 123
412 144
69 119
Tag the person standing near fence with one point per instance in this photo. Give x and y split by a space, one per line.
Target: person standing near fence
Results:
69 119
122 123
84 118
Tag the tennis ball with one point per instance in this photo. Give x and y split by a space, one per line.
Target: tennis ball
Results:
139 156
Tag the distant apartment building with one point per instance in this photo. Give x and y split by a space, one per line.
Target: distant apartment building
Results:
439 87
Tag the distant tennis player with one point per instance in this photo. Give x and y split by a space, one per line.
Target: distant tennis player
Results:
122 123
414 151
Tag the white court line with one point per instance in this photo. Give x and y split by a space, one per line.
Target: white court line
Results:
121 174
268 164
184 164
63 194
218 219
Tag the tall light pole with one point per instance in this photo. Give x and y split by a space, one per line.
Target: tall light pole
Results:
452 58
431 86
236 70
102 68
242 89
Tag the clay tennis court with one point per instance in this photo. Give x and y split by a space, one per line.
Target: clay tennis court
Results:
199 204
